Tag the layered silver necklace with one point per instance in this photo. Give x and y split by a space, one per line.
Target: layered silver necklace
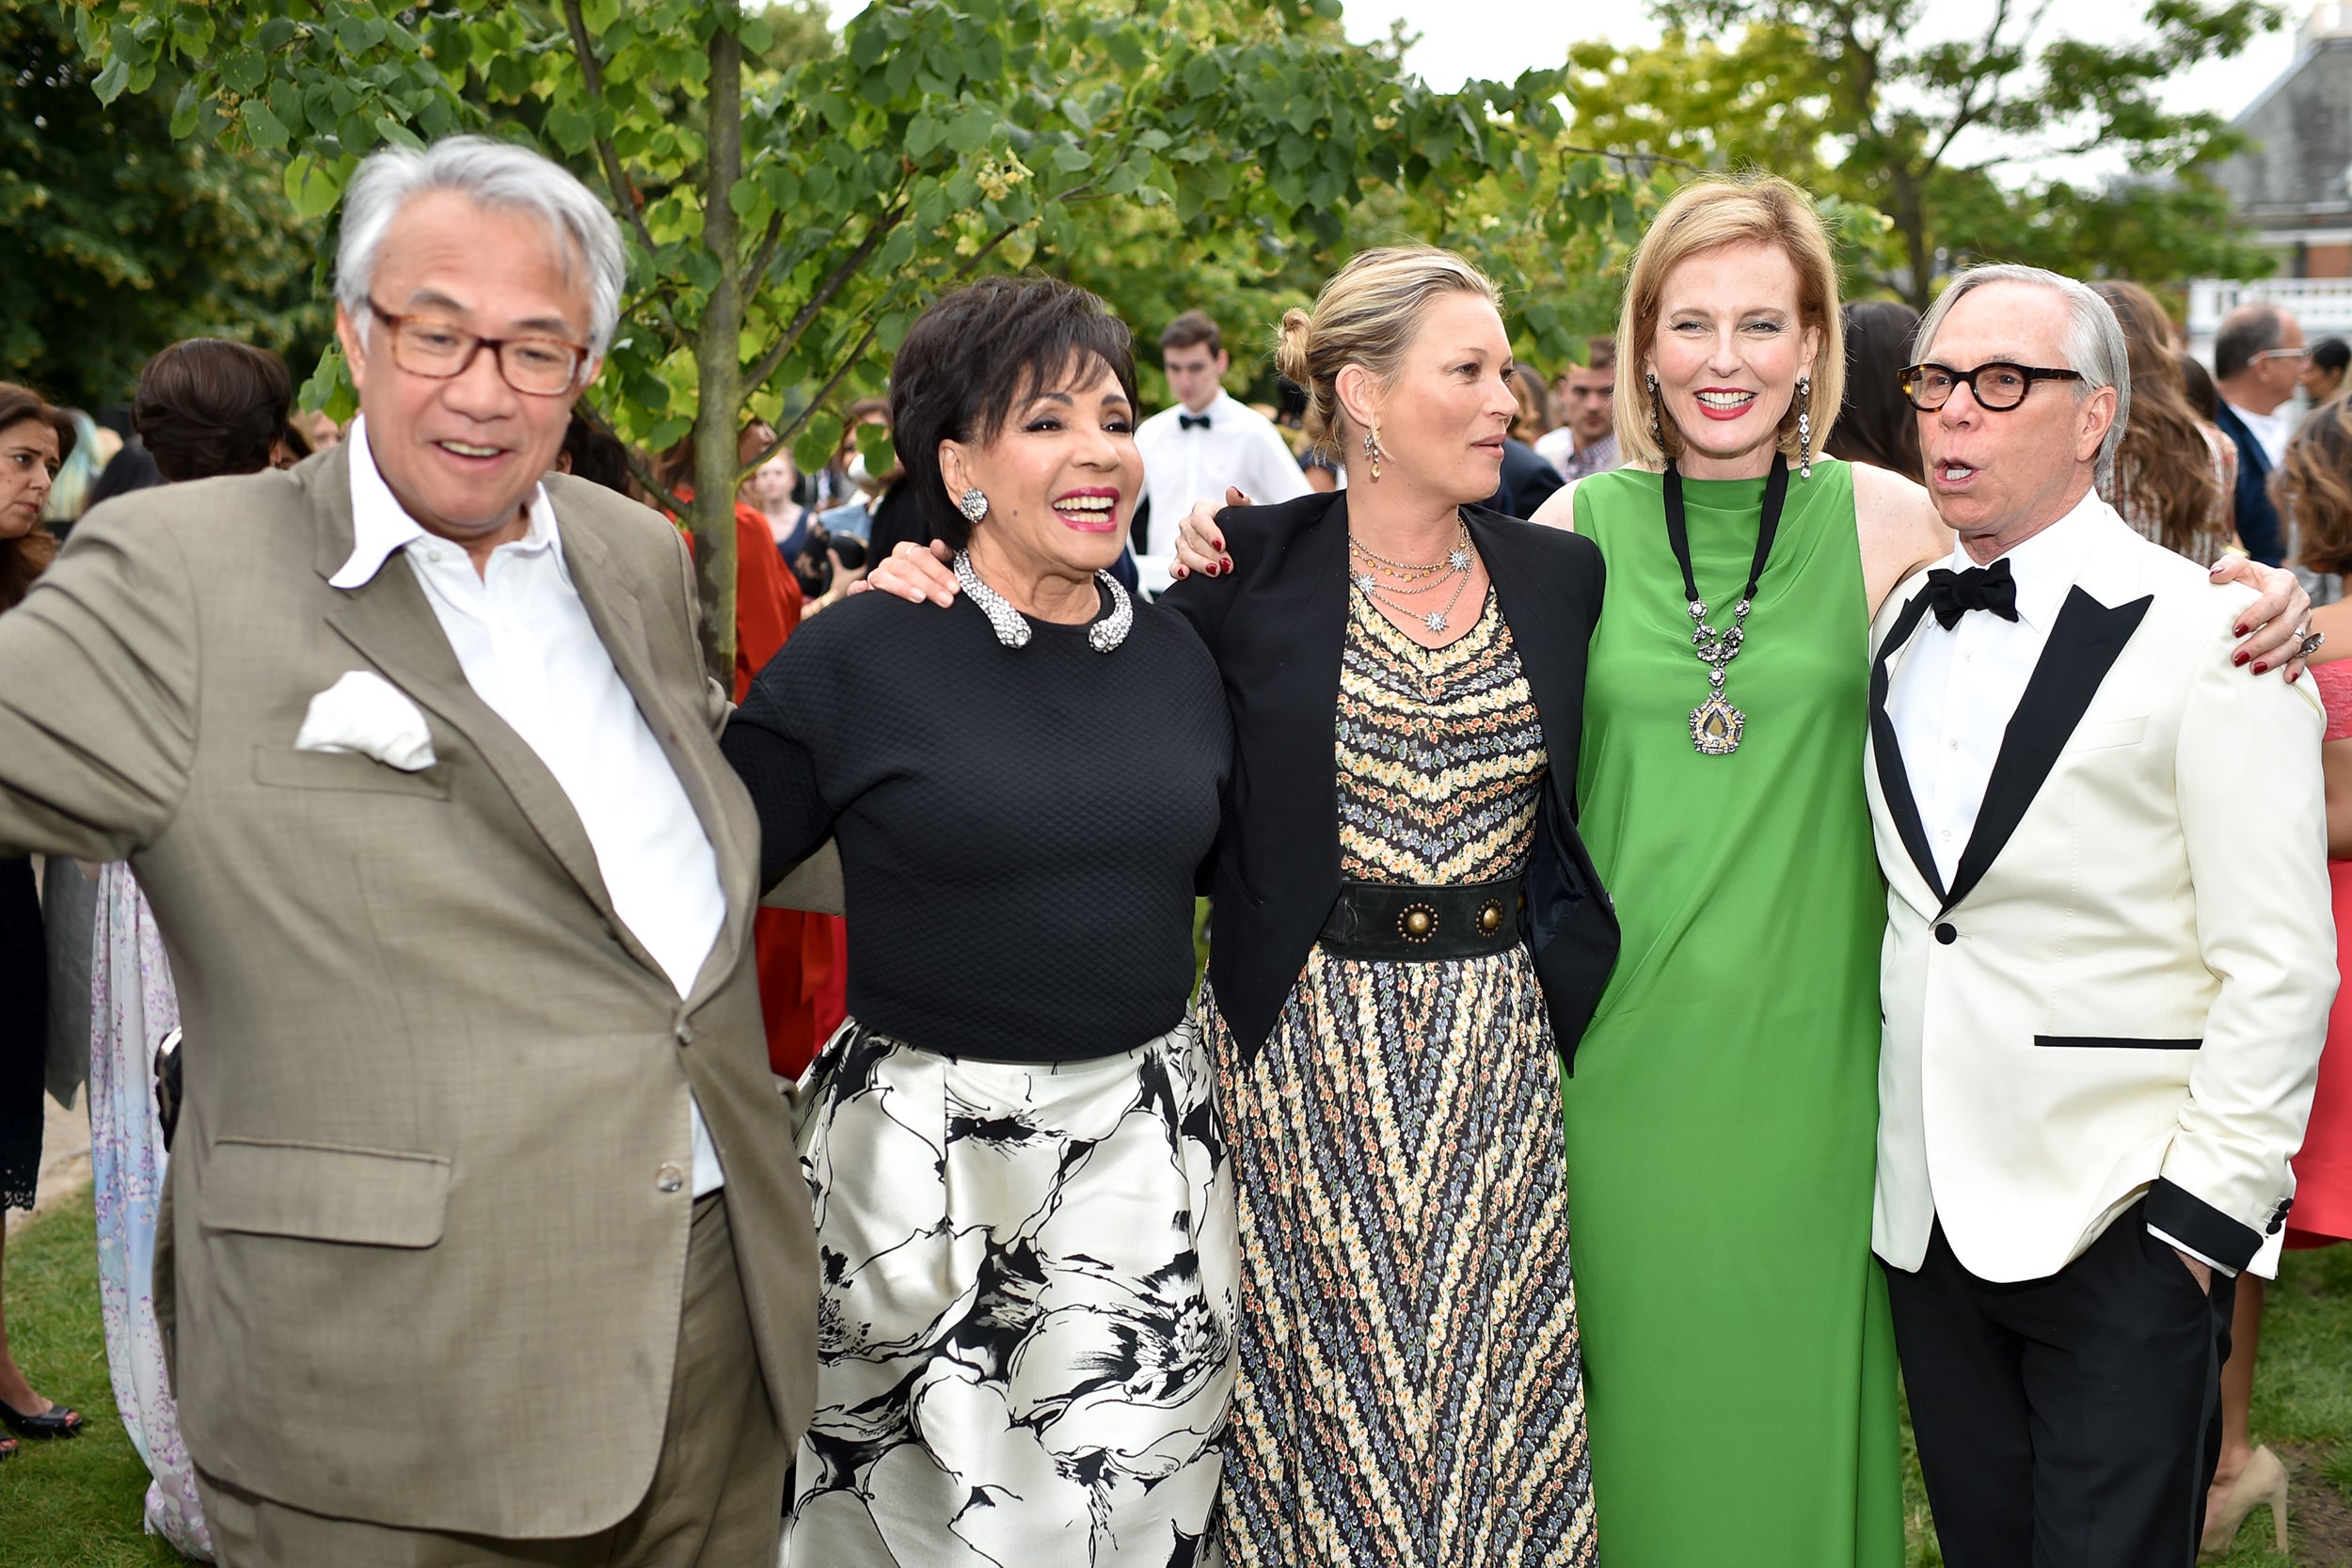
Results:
1427 576
1012 627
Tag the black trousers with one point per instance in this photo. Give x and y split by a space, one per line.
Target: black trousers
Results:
2071 1421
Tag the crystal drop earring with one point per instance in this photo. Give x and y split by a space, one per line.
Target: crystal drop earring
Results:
973 503
1804 427
1372 450
1656 432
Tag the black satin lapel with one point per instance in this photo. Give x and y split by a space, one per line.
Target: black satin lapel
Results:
2083 647
613 610
1534 611
1307 593
390 622
1894 778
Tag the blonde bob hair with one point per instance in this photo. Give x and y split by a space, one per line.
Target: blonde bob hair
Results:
1367 315
1707 214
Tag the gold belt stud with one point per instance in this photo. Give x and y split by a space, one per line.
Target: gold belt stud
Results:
1418 923
1491 917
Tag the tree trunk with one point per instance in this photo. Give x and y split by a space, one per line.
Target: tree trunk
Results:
718 357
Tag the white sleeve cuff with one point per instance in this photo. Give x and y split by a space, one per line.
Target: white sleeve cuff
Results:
2180 1245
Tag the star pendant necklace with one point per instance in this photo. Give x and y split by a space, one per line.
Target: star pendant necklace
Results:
1367 565
1716 726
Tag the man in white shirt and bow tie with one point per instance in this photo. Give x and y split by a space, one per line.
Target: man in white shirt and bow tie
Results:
1209 441
2104 984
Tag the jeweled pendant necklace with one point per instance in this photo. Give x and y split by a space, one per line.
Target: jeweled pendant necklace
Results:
1455 566
1716 726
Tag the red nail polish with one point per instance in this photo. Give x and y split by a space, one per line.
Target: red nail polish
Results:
1210 568
2241 631
2239 659
2262 669
1218 543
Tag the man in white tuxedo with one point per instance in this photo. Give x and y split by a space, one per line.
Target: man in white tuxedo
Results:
2104 984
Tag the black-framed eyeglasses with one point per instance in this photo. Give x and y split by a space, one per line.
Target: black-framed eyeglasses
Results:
1997 385
430 347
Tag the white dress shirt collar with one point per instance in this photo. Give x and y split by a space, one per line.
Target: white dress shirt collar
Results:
381 526
2046 566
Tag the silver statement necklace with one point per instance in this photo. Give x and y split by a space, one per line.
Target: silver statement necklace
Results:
1012 627
1428 576
1716 726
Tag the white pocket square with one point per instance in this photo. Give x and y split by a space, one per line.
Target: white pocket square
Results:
366 713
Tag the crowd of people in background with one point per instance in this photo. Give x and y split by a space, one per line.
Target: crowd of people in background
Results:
1498 858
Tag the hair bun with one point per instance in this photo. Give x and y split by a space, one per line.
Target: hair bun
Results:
1292 339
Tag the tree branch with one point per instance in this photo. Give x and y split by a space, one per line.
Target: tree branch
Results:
765 256
834 283
849 361
1629 158
592 74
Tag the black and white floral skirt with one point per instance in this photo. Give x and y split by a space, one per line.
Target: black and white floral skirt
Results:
1025 1332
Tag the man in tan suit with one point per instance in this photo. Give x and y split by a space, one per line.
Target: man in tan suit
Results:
484 1240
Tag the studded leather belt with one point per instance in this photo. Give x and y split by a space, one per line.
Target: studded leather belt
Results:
1395 921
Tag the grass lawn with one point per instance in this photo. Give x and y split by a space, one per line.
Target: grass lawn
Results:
76 1504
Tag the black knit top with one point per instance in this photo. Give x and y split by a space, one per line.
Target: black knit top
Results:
1020 827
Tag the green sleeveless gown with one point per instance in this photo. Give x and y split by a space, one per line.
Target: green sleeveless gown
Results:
1739 1360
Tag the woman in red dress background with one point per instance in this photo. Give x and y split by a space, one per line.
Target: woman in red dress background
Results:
2314 491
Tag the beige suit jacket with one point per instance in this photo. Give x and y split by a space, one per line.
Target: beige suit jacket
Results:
424 1206
2123 991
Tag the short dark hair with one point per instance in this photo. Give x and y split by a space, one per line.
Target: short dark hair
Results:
969 362
209 407
1191 328
597 455
2197 386
1600 354
2246 332
2331 353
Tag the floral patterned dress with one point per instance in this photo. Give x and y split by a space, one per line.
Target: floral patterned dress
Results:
133 1007
1411 1388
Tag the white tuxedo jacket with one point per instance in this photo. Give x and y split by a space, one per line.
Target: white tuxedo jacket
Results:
2125 988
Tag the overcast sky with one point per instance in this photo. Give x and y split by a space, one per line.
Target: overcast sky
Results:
1499 39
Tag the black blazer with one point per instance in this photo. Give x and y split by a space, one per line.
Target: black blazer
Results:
1277 625
2258 527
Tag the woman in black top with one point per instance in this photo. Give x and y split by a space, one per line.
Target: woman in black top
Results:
1406 931
1022 1209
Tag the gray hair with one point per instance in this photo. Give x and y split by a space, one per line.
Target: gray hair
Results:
493 174
2245 332
2094 341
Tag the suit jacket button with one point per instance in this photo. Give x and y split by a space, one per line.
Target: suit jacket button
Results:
1946 934
686 1033
669 1179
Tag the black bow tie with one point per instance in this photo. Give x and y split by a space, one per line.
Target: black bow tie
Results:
1193 422
1952 594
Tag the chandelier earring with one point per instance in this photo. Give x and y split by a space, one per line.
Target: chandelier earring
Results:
1804 426
1373 452
973 503
1656 432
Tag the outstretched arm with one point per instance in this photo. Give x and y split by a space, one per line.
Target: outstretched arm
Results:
98 681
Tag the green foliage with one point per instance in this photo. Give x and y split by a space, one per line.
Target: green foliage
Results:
115 238
793 205
1839 96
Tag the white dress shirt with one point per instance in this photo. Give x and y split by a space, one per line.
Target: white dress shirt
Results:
1239 447
1956 691
529 650
2272 431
